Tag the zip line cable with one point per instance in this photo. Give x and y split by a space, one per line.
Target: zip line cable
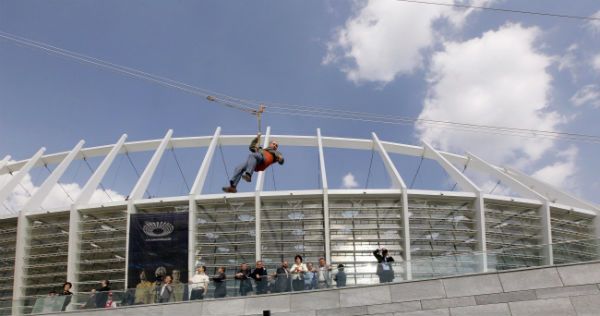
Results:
295 110
465 6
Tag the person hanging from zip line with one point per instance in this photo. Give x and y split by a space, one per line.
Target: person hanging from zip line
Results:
259 159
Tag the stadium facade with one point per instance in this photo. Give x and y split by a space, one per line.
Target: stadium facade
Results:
85 243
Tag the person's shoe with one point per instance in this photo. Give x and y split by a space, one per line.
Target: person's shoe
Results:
230 189
247 177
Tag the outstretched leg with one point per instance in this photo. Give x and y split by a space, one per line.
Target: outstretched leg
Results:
245 169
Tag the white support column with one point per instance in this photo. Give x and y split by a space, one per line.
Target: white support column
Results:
325 198
465 184
525 191
17 178
142 184
42 192
195 191
399 183
89 188
260 180
20 254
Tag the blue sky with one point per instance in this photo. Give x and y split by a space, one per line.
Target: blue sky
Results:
384 57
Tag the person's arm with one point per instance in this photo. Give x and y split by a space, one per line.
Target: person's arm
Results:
254 145
377 255
279 156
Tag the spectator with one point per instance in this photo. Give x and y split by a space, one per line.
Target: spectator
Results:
178 286
67 289
260 277
310 277
323 274
220 283
282 278
199 284
166 290
298 269
101 293
143 291
384 265
340 276
244 276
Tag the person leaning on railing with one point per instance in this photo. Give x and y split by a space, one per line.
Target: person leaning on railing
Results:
220 283
245 280
199 284
260 277
297 271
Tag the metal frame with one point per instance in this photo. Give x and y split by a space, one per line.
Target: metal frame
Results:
533 191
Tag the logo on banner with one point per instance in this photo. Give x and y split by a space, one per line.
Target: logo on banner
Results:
158 229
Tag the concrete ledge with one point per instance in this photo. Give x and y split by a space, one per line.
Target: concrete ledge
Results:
360 296
580 274
417 290
586 305
505 297
487 310
567 291
472 285
528 280
554 306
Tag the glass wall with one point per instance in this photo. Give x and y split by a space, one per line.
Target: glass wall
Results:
441 227
510 229
8 235
290 227
46 253
226 237
571 226
360 226
102 248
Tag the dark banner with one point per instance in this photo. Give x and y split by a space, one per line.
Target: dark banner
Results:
158 246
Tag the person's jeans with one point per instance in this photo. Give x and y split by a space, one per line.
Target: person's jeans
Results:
197 294
249 166
298 285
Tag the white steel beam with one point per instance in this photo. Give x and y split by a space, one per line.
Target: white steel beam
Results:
193 208
73 254
17 178
400 184
389 165
465 184
325 197
20 272
4 161
142 184
553 194
524 190
206 163
89 188
257 204
42 192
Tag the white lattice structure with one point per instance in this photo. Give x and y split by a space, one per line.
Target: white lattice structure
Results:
87 242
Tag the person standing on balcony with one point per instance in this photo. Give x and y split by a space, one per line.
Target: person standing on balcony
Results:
385 272
261 278
297 271
220 283
199 284
244 276
323 274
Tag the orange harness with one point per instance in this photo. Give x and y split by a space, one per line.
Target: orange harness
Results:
268 159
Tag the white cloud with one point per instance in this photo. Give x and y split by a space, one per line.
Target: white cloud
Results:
386 38
596 63
498 79
349 182
588 95
595 24
561 173
56 198
569 61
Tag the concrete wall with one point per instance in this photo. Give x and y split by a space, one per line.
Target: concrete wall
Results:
558 290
